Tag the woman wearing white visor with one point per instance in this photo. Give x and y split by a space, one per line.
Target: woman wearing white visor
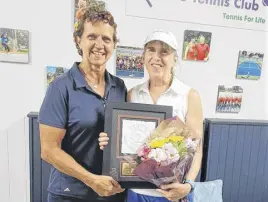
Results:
163 88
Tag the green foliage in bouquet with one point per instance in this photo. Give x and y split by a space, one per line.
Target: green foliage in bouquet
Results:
181 148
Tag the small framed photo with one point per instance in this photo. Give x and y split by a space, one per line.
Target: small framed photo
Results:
128 126
229 99
129 62
14 46
249 65
196 45
52 72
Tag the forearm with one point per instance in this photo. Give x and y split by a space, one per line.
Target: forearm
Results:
194 120
196 165
66 164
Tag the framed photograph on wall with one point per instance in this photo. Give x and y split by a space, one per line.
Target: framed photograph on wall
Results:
128 126
229 99
14 46
52 72
129 62
196 45
249 65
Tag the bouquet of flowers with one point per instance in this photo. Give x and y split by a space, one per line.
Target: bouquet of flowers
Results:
166 156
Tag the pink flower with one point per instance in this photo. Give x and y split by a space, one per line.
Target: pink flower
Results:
143 151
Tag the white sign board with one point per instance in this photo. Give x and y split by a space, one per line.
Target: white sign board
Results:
243 14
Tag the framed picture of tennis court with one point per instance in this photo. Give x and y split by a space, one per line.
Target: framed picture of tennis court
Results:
249 65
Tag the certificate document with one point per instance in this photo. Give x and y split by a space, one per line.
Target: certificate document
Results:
134 133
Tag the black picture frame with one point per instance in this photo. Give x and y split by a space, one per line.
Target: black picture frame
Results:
113 160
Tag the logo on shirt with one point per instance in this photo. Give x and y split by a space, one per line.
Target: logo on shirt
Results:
67 189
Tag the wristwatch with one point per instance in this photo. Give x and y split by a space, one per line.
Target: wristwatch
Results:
191 183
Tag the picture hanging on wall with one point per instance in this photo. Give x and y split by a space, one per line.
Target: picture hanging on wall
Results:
229 99
14 46
249 65
53 72
196 45
129 62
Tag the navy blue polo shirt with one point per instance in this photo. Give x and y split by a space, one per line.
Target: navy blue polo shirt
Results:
71 104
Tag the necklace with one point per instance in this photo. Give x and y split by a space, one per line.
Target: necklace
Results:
95 85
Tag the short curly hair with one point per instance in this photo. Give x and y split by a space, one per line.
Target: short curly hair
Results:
93 16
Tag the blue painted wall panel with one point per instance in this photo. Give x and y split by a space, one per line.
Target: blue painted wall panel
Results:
237 154
236 151
229 160
246 152
39 169
237 162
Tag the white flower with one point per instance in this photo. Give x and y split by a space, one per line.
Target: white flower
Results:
171 152
191 144
170 149
165 155
158 154
174 158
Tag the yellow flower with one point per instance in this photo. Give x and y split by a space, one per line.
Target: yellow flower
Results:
176 138
75 25
158 143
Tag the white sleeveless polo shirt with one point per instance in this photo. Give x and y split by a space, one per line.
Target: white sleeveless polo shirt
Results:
176 96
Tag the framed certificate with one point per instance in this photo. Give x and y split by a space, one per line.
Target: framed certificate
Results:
128 125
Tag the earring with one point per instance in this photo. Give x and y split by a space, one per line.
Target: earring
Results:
80 51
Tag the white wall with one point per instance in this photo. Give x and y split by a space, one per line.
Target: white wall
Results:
205 77
50 25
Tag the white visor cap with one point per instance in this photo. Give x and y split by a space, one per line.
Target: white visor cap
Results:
164 36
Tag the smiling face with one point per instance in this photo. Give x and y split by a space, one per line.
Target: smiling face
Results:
159 59
96 43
